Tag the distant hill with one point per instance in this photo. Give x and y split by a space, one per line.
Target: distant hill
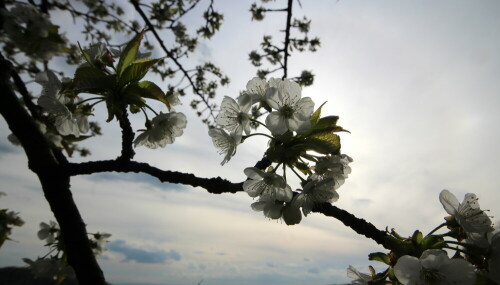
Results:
23 276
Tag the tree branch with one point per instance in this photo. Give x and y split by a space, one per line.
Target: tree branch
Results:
287 38
219 185
360 226
212 185
55 183
169 54
127 137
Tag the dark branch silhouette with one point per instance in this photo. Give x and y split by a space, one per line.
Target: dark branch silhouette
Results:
55 182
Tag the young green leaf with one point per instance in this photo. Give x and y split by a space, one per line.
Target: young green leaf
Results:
85 55
93 80
129 54
136 70
380 256
325 143
152 91
315 116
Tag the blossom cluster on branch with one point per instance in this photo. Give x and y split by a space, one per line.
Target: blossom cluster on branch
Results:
300 140
421 260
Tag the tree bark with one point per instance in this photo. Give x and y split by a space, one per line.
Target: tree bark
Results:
54 180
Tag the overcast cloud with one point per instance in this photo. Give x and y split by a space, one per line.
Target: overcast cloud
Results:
415 82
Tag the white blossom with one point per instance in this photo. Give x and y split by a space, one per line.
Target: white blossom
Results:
234 116
28 29
226 143
272 208
98 243
53 101
257 89
468 214
336 167
359 278
49 268
173 98
48 232
434 267
164 129
269 184
316 191
292 112
56 140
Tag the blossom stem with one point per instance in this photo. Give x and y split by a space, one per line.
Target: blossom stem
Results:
459 243
95 103
436 228
298 175
284 172
457 249
277 166
89 99
255 134
260 123
145 114
151 109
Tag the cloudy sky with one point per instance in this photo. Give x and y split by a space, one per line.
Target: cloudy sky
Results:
416 83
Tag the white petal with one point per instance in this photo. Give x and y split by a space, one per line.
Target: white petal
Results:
434 259
407 269
253 187
304 108
272 98
52 105
272 210
460 272
276 123
290 91
291 215
284 194
245 102
83 123
449 201
304 126
254 173
258 206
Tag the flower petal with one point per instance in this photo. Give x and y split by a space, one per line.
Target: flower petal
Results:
449 201
407 270
276 123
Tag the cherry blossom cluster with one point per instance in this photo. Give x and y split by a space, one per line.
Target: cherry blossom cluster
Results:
8 219
54 264
32 32
119 85
425 260
300 141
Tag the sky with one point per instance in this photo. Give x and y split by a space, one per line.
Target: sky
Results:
416 84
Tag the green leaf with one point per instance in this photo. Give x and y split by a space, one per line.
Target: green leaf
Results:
417 237
324 143
432 242
315 116
303 167
136 70
327 122
152 91
129 54
85 55
73 139
113 108
93 80
380 256
132 95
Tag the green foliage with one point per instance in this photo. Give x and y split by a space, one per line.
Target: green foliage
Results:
129 54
